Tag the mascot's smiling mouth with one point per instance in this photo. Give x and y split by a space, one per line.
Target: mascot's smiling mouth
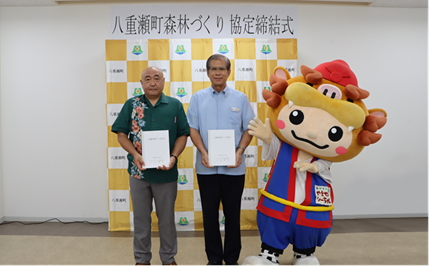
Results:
308 141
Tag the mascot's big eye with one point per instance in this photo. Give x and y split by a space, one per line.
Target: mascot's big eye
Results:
335 133
296 117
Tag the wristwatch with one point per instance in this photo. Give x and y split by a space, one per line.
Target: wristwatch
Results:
172 155
241 148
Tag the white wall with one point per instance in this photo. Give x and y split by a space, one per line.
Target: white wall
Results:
1 157
53 111
53 107
1 175
387 50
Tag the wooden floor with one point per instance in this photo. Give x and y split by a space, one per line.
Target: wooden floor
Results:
390 241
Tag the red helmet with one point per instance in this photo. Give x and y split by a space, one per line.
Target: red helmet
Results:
338 71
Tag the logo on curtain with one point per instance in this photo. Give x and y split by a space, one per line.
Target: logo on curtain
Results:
267 88
265 179
266 49
181 92
137 50
180 49
137 91
223 220
223 49
182 180
183 221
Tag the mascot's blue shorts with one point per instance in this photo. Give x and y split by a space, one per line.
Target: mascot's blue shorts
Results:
279 234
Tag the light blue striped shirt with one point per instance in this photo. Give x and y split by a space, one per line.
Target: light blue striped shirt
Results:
229 109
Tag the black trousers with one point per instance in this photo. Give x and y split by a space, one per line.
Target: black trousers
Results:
213 190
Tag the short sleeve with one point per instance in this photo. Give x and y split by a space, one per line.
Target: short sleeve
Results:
192 113
183 126
269 152
122 122
248 113
324 170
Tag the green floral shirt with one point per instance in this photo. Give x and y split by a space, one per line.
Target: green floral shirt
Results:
138 115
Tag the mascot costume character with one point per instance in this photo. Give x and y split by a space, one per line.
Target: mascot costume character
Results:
312 120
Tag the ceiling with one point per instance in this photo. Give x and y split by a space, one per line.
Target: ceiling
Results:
371 3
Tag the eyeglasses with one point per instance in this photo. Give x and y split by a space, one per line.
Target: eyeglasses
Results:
221 69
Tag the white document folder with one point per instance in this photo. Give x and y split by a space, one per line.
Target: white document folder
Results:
155 148
221 147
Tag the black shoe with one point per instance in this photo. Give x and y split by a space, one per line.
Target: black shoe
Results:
214 263
231 263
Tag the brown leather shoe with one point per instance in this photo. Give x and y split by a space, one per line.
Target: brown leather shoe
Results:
173 263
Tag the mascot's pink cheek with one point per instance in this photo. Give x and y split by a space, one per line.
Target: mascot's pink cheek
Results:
280 124
341 150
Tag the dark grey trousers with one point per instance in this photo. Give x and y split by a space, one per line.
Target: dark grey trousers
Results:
164 195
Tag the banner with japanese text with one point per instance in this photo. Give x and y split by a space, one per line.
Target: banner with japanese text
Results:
183 64
178 21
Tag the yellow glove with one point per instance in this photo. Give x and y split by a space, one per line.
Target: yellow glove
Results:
261 131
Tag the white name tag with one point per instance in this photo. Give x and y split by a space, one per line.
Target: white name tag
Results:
323 195
235 109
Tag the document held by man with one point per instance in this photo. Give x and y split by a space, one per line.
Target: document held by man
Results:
221 147
155 148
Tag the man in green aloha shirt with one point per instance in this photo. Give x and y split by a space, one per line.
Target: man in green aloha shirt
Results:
152 111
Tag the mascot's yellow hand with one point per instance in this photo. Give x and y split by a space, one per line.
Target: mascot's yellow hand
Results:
261 131
306 166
